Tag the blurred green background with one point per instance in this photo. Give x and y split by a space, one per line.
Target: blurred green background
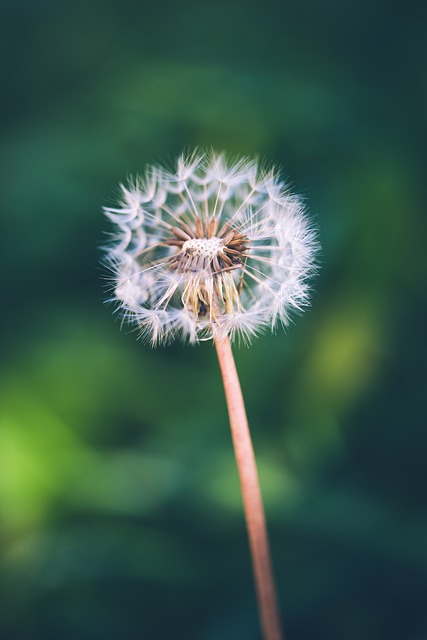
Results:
120 506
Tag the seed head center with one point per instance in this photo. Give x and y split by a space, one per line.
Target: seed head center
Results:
203 247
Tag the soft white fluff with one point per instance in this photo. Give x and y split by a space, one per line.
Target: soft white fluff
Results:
272 280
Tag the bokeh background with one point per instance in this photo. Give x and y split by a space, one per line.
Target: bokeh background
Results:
120 507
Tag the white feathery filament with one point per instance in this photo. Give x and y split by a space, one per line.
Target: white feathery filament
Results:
212 249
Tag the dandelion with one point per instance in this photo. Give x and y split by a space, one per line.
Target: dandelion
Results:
215 250
209 250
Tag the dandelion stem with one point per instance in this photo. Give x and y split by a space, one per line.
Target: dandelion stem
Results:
251 494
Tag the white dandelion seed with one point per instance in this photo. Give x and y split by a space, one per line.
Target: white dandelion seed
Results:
215 250
210 250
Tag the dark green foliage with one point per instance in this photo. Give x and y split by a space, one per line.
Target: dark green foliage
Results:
119 498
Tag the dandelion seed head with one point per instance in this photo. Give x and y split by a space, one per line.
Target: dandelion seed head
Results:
213 248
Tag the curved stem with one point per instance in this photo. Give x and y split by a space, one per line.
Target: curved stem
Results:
251 494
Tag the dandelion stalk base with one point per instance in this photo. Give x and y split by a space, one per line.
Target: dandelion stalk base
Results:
251 494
